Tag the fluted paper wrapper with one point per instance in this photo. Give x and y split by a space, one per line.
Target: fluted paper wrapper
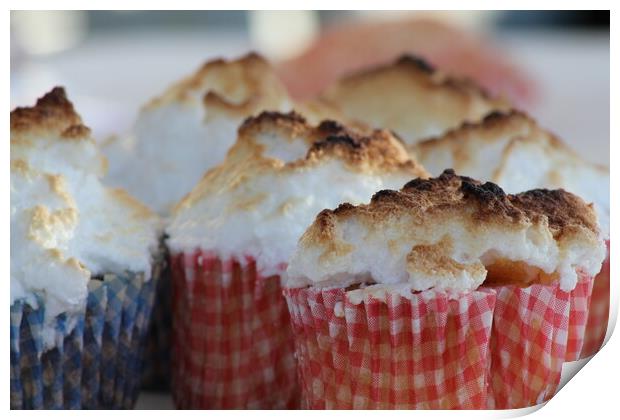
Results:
598 314
232 339
156 374
579 309
98 362
424 351
528 345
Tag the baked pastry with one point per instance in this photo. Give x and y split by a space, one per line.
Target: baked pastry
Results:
84 260
414 300
410 98
230 240
511 149
189 128
348 47
176 138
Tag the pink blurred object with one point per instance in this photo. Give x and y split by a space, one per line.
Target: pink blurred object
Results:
352 47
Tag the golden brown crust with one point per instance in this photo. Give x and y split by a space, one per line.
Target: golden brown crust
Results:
361 151
52 113
494 123
565 211
242 87
377 152
450 195
138 210
419 68
411 98
435 260
42 220
512 127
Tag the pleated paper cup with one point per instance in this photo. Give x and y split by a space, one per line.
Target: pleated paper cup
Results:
156 375
598 314
528 345
579 309
97 363
232 338
423 351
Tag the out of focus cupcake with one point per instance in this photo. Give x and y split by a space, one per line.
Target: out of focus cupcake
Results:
348 47
177 137
448 294
230 241
83 261
411 98
189 128
512 150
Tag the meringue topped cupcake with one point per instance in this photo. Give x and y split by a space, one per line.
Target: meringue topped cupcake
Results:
396 300
176 138
231 238
189 128
411 98
82 257
512 150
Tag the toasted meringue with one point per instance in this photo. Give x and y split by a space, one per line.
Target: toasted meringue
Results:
66 227
411 98
450 233
512 150
189 128
277 176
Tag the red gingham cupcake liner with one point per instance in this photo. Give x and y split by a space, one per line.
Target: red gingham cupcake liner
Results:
232 339
528 345
424 351
598 315
579 303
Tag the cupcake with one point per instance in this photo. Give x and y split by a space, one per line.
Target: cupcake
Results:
411 98
512 150
83 267
447 294
230 241
337 52
177 137
189 128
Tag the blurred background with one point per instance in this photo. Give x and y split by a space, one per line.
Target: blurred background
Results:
555 65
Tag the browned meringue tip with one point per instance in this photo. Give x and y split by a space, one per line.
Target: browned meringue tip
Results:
410 97
367 151
53 112
514 125
241 86
449 196
377 152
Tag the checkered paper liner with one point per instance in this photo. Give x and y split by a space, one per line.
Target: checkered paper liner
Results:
598 314
425 351
579 304
528 345
232 339
156 368
97 364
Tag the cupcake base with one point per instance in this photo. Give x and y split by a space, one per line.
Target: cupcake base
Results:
97 364
424 351
232 339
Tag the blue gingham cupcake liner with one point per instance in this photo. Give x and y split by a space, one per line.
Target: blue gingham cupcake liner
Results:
97 364
156 369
